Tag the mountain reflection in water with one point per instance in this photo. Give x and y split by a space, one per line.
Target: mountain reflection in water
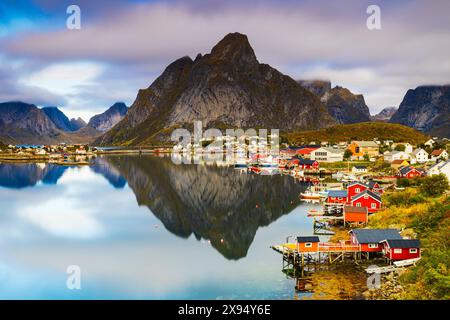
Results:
214 203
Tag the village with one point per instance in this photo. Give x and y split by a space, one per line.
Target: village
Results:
61 154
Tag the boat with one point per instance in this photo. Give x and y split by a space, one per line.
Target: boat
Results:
310 195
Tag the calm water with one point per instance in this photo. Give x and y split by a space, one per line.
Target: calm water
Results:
142 227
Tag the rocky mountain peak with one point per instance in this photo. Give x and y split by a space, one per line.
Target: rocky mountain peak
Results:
234 48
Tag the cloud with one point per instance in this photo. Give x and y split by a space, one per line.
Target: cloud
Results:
302 39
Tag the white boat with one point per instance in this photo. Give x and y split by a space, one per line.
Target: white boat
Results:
310 195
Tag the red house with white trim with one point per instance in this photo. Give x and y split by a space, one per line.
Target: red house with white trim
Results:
355 188
337 196
400 249
409 172
375 187
370 200
369 239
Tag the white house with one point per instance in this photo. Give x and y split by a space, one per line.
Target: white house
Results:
396 155
430 143
359 169
327 155
439 154
419 156
408 146
441 167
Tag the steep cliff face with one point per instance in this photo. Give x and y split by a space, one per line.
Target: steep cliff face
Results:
344 106
385 114
58 118
108 119
225 88
426 108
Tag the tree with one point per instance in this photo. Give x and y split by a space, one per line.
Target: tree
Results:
347 154
400 147
434 185
366 157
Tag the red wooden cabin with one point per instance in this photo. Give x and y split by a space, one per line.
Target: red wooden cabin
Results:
337 196
370 200
409 172
308 244
369 239
355 214
375 187
355 188
400 249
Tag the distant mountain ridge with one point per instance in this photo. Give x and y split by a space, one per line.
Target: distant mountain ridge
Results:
61 121
26 123
108 119
426 108
227 88
344 106
385 114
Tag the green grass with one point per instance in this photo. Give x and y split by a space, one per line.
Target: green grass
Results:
359 131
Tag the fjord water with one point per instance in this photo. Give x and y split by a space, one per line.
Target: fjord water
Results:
142 227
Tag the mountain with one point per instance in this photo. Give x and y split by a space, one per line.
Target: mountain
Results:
318 87
342 104
61 121
108 119
426 108
385 114
77 124
24 123
225 88
359 131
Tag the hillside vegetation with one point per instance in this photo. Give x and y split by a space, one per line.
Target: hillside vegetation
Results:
358 131
422 212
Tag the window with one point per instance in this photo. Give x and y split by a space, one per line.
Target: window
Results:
373 245
366 196
358 204
308 244
413 250
357 190
373 205
397 250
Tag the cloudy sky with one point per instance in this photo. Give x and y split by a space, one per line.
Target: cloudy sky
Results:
124 45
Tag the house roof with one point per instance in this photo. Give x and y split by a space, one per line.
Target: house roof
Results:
352 209
375 235
371 184
371 194
439 165
306 161
337 193
403 243
331 150
308 239
437 152
357 182
305 150
399 161
366 143
405 170
415 152
360 167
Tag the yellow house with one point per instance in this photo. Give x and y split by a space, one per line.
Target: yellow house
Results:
360 148
399 163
